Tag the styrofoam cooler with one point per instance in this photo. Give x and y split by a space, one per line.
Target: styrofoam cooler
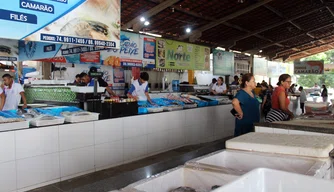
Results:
244 162
179 177
267 180
76 119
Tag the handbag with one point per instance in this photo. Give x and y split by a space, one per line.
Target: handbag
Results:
276 115
234 112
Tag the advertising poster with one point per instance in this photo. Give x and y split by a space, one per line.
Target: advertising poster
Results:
9 50
180 55
132 52
273 69
119 75
260 66
149 44
81 22
223 62
308 67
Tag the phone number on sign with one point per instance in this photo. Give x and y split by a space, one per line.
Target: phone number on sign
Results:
76 40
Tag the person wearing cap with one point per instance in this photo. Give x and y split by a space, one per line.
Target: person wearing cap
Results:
139 88
13 92
88 81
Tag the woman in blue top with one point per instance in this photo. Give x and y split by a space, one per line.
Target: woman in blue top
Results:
246 106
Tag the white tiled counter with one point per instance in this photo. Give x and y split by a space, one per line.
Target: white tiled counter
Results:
36 157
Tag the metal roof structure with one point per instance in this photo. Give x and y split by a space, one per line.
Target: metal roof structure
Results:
279 29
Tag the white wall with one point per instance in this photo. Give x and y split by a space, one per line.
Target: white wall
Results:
36 157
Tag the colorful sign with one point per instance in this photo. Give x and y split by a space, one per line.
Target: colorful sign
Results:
93 57
148 45
223 62
119 75
9 50
130 50
81 22
308 67
180 55
260 66
136 51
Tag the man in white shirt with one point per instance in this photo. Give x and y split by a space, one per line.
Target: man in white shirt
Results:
13 92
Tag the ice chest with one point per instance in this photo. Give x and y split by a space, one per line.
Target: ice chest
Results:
180 176
267 180
244 162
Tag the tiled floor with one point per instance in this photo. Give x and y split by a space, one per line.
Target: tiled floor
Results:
121 176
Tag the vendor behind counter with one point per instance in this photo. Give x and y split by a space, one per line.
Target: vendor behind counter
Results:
89 81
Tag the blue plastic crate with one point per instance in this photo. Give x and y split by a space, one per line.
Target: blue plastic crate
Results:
56 111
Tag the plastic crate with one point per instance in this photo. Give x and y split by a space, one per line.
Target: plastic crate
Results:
267 180
172 179
247 161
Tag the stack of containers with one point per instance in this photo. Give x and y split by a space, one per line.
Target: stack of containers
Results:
304 158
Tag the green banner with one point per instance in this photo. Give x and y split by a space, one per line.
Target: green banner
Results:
179 55
223 62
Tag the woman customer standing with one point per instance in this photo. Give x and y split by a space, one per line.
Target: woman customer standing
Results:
266 99
324 93
246 105
280 101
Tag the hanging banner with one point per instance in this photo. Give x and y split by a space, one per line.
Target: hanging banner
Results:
223 62
260 66
180 55
9 50
130 50
81 22
308 67
273 69
149 44
135 51
119 75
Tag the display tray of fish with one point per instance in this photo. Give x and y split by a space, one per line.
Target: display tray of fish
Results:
46 120
80 116
10 120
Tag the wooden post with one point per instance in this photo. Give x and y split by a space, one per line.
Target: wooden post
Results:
191 76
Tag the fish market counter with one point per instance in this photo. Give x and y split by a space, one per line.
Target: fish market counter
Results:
298 126
34 157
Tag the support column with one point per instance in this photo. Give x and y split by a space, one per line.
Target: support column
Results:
191 76
251 64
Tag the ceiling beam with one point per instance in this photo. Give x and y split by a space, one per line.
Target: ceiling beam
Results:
155 10
224 43
290 38
226 18
321 39
310 49
195 14
247 31
303 51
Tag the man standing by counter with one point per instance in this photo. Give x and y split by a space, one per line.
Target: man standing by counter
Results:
87 80
139 88
13 92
